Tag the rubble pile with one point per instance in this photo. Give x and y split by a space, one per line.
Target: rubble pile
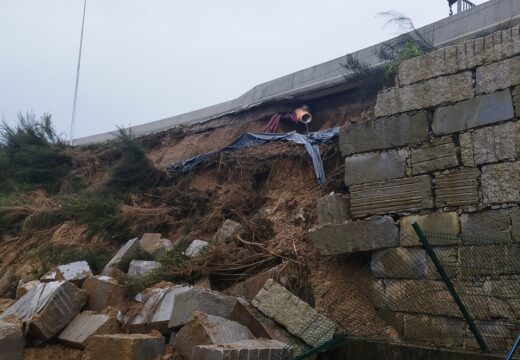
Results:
95 315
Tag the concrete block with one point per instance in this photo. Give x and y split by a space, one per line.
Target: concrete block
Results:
438 154
129 251
457 188
486 227
246 315
500 183
480 111
246 349
419 297
392 196
85 325
465 55
399 263
48 308
228 232
140 268
491 144
490 260
185 304
11 341
156 311
76 272
498 76
445 222
49 277
203 329
435 330
515 223
154 245
333 209
434 92
295 315
251 286
196 248
125 347
356 236
23 288
385 133
104 291
375 166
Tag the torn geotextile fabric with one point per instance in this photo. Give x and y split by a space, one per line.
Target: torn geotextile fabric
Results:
246 140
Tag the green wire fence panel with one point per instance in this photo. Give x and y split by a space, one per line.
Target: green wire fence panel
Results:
397 295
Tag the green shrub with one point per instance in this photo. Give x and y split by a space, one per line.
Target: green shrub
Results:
410 50
32 153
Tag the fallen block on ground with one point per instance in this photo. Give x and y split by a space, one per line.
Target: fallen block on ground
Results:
128 251
196 248
11 341
47 308
24 288
76 272
204 329
298 317
228 232
104 291
156 311
245 349
125 347
141 268
85 325
154 245
195 299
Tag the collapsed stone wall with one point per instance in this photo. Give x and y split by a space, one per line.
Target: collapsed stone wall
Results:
443 150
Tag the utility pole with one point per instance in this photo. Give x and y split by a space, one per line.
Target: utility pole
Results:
73 121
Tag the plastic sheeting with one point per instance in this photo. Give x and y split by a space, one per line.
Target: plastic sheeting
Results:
309 141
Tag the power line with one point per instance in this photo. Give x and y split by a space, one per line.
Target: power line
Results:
73 121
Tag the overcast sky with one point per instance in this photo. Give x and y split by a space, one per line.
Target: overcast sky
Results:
144 60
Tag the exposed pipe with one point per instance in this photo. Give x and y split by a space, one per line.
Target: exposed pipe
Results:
73 121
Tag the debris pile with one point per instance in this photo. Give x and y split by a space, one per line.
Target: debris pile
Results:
96 315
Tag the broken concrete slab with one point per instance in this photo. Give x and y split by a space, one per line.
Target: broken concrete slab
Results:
11 341
141 268
245 349
125 347
23 288
48 308
196 248
154 245
228 232
298 317
203 329
356 236
76 272
333 209
186 302
250 287
156 311
129 251
104 291
85 325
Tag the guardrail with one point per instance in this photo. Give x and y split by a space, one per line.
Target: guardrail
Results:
462 5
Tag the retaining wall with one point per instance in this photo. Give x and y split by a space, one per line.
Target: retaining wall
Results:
443 150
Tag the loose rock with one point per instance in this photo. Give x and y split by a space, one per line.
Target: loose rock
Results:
245 349
125 347
154 245
128 251
196 248
24 288
11 341
228 232
85 325
104 291
141 268
205 329
76 272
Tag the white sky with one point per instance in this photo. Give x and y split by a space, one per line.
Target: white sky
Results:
144 60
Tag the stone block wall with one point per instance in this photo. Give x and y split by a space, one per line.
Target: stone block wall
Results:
443 151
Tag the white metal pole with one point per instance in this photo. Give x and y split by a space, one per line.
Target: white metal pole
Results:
73 121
